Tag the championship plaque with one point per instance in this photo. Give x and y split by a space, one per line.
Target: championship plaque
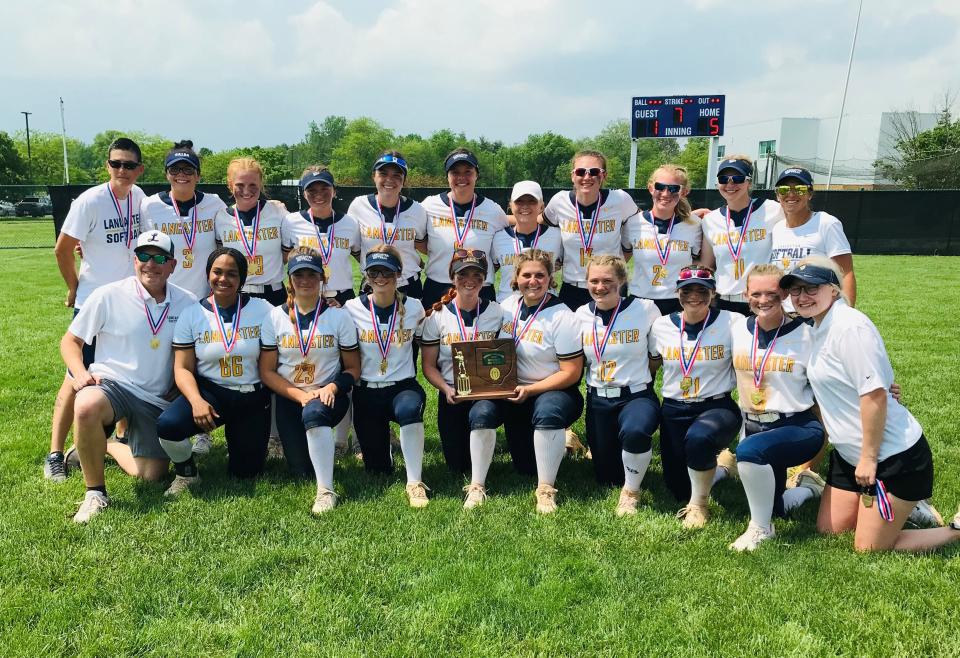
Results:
484 369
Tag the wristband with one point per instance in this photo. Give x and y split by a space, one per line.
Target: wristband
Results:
344 382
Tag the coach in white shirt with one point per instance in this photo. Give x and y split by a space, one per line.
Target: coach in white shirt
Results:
878 444
132 375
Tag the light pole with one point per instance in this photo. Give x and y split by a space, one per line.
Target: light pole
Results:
26 117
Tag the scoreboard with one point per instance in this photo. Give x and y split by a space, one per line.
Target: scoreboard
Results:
677 116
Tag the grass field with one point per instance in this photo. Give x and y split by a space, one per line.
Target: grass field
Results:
243 569
17 232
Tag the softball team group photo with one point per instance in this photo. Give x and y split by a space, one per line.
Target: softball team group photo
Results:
191 314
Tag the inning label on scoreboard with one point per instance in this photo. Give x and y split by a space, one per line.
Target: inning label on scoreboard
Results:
677 116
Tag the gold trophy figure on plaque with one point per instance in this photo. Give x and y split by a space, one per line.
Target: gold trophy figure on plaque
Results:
463 379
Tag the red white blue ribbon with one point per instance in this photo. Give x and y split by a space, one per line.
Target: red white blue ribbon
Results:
758 374
883 503
663 253
383 223
533 316
743 231
129 219
325 253
518 248
463 326
190 237
599 345
228 345
384 345
686 365
155 325
587 242
306 345
462 234
249 246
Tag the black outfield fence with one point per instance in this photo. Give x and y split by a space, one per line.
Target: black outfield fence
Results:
876 222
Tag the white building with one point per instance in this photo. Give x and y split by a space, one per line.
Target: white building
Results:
776 144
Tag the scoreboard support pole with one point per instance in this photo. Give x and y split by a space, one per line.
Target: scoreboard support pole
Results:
712 162
632 182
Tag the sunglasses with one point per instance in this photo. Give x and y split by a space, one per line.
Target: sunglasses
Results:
736 179
810 290
123 164
695 273
380 273
469 253
664 187
799 190
159 259
593 171
182 171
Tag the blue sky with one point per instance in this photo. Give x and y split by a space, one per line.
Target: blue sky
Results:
231 72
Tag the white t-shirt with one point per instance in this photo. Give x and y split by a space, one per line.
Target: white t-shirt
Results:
411 226
712 372
158 214
757 240
616 207
651 279
266 266
507 247
784 387
400 364
821 235
625 361
488 218
198 329
552 336
849 360
442 328
93 220
301 232
334 332
115 316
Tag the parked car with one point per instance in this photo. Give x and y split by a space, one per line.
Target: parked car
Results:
7 209
34 206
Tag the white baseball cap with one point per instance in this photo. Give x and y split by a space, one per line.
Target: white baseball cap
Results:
526 187
156 239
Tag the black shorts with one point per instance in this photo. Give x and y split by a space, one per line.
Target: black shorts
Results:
908 475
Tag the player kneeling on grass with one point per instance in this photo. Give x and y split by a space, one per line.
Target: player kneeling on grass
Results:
216 348
310 359
133 322
881 465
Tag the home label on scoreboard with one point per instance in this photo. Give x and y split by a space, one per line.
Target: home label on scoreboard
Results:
677 116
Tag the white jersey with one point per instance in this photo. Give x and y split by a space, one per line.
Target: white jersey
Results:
507 246
652 279
552 336
712 372
400 363
266 263
128 351
404 232
757 240
301 232
157 213
821 235
849 360
198 328
488 218
107 248
442 328
334 332
784 387
616 207
625 361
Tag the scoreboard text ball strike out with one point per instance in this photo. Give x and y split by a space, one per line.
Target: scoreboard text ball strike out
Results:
677 116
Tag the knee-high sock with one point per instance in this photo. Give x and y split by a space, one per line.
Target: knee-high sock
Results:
320 445
794 498
181 454
700 484
635 467
411 444
720 474
343 429
482 443
759 485
549 446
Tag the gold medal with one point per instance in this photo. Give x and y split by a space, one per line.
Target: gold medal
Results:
187 258
383 366
867 500
757 397
155 343
326 273
685 384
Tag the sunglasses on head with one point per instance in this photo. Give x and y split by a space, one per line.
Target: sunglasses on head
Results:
695 273
723 179
593 171
469 253
810 290
159 259
664 187
123 164
799 190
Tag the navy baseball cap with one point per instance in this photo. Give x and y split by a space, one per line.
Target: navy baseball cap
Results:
304 262
464 258
742 167
809 275
382 259
799 173
700 276
182 156
387 159
312 177
457 158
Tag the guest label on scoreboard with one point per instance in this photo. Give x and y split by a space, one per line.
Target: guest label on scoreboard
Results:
677 116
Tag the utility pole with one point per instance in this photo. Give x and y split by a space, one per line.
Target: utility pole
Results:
26 117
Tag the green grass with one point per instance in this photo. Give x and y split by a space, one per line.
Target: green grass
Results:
243 569
19 232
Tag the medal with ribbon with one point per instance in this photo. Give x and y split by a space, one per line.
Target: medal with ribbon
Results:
155 325
462 233
735 253
518 248
663 252
757 397
462 325
249 246
326 253
686 364
128 221
600 345
587 250
228 345
517 337
383 344
191 237
312 329
383 224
